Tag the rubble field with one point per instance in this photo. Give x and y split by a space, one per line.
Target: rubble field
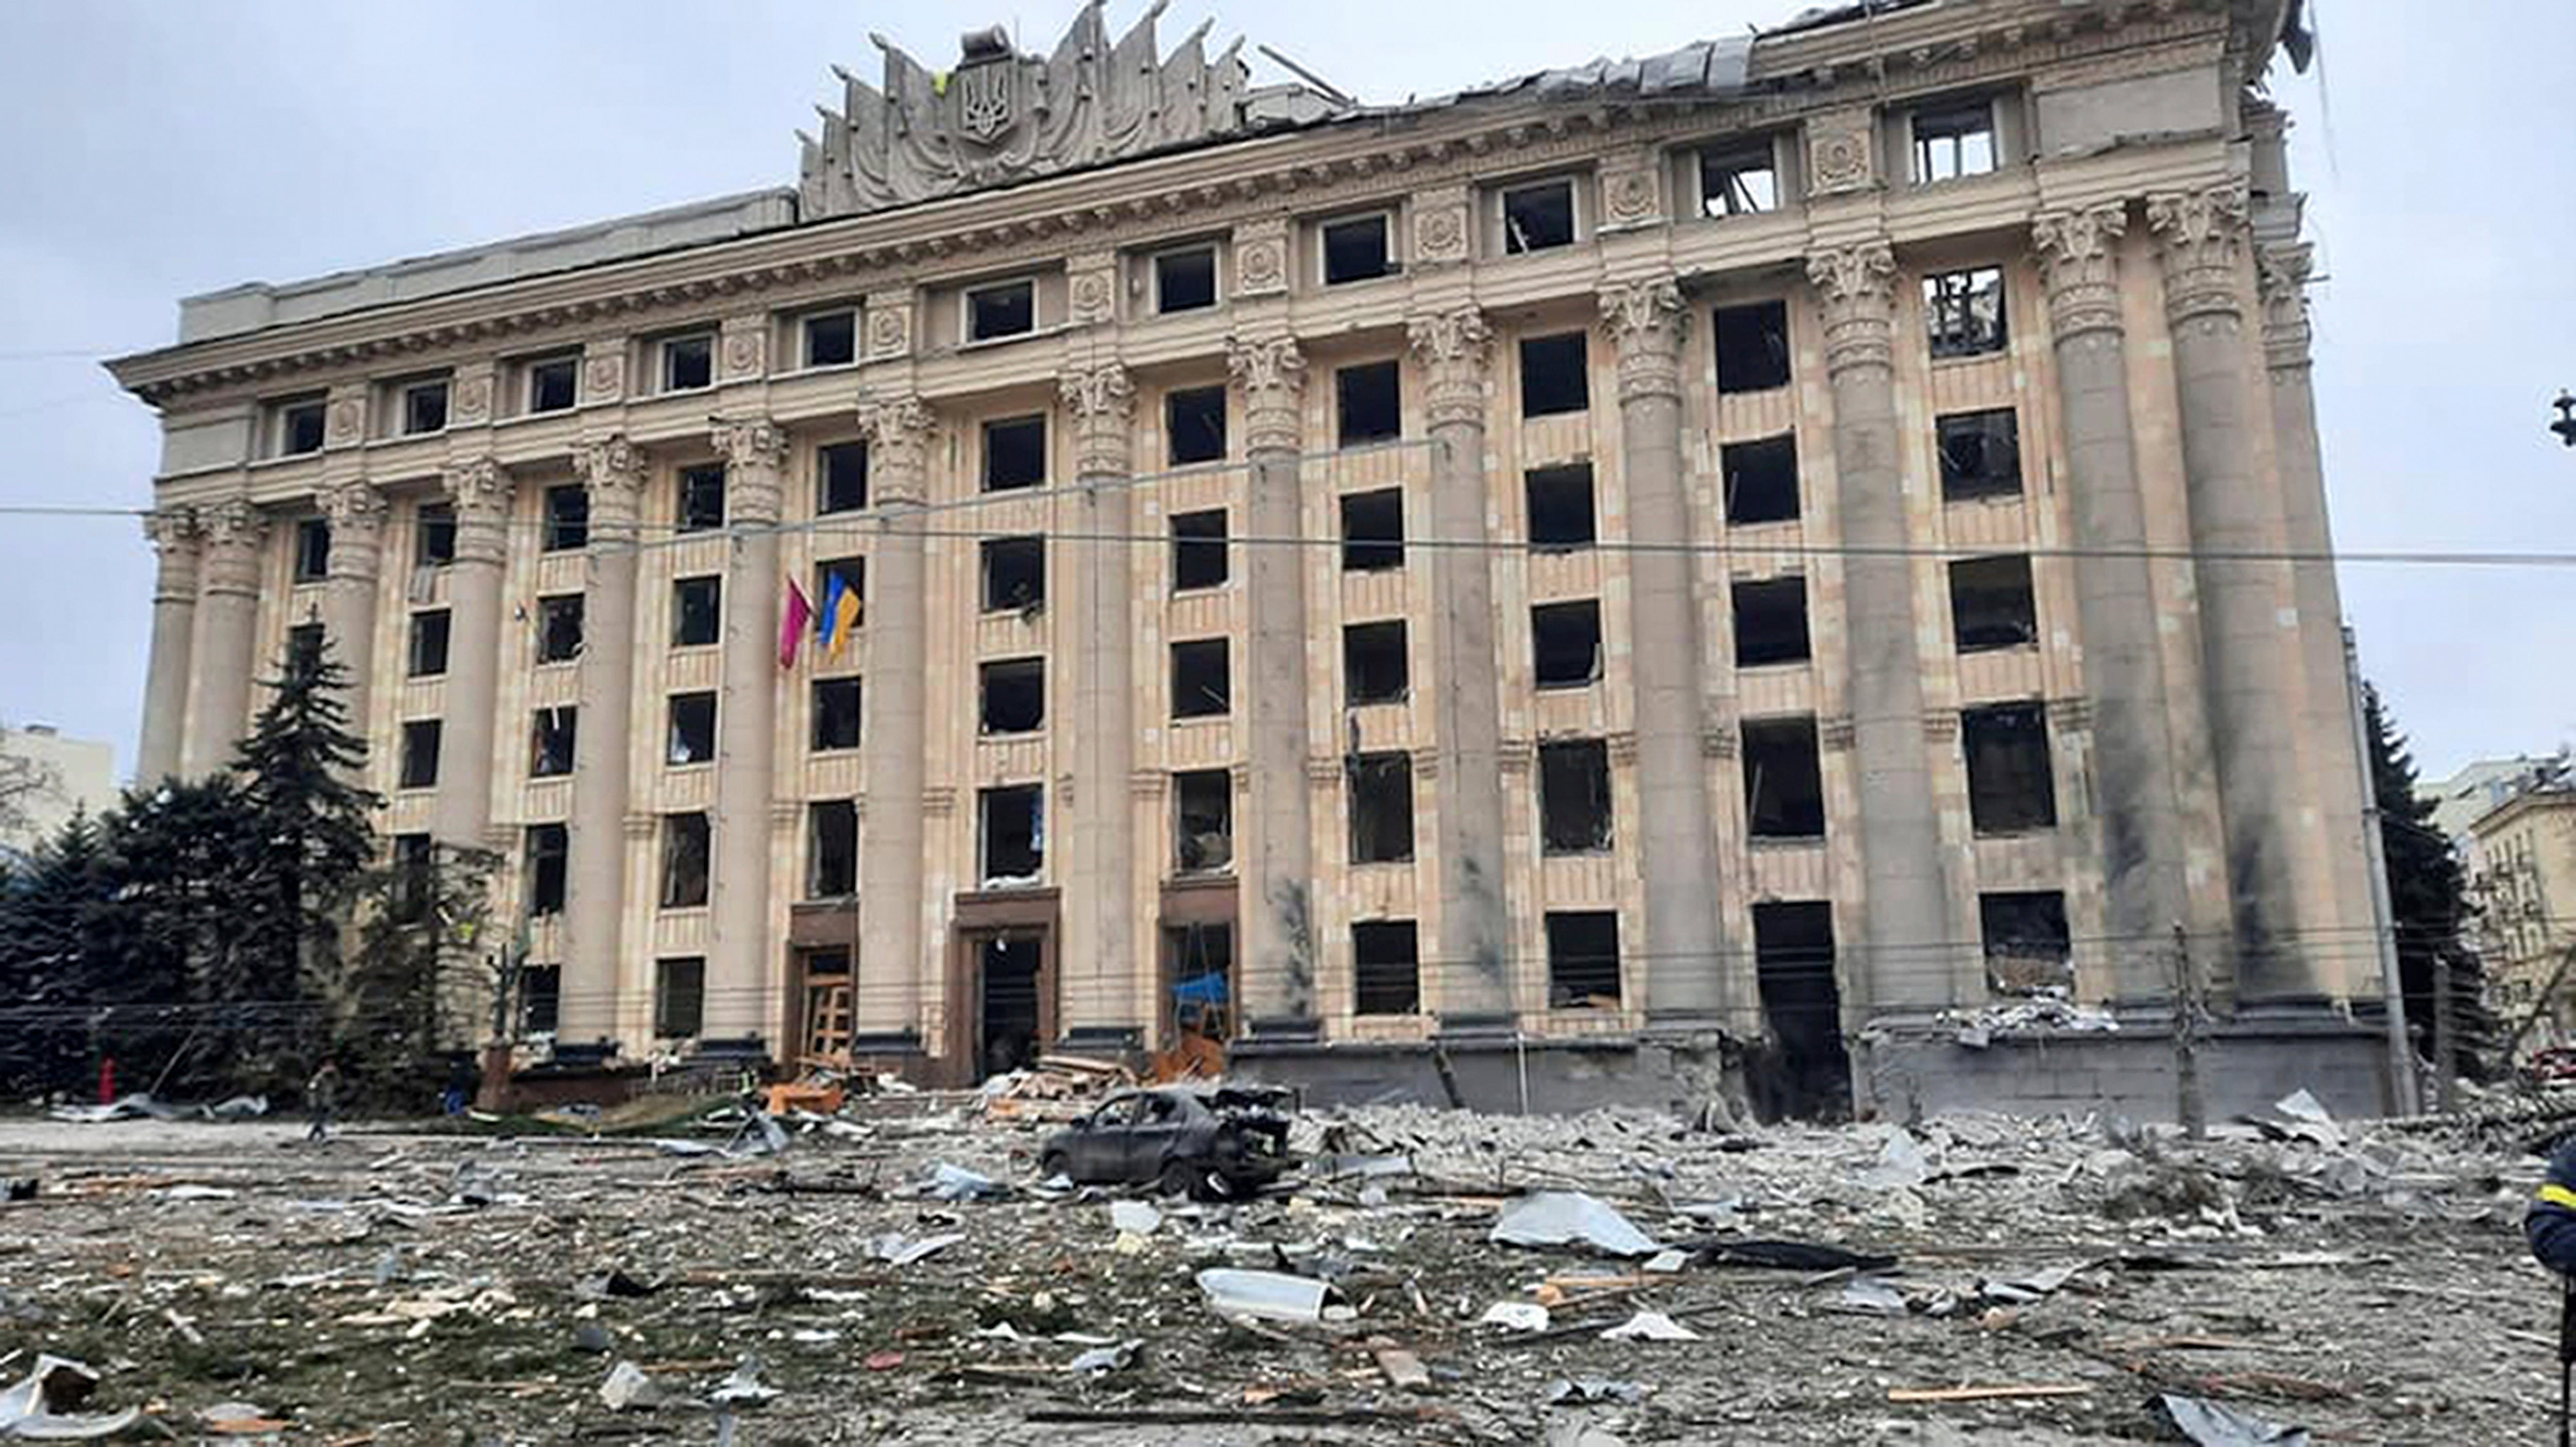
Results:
897 1273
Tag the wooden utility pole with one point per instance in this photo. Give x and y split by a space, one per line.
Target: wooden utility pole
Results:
2186 1039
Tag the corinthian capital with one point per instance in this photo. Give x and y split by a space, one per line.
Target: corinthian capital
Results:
2202 236
898 433
1643 320
611 468
1272 375
2079 264
750 443
1452 348
176 538
2281 268
234 531
1102 403
481 493
1857 285
354 509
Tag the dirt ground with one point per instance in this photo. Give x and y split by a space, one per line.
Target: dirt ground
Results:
396 1285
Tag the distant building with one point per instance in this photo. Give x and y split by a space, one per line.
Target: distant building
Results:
70 776
2522 873
2480 787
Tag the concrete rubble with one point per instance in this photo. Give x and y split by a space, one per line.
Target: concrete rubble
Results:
898 1273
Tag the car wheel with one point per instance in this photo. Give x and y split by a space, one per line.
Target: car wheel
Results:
1180 1178
1054 1164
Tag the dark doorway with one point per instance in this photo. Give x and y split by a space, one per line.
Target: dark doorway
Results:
1801 1070
1009 1022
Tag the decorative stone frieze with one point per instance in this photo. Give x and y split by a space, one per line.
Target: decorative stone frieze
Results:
1631 193
1453 349
2070 715
1621 747
603 374
1857 284
1940 725
2281 269
898 432
1102 403
2079 265
344 419
1091 288
1644 320
889 325
1271 372
1261 256
469 401
743 349
2202 245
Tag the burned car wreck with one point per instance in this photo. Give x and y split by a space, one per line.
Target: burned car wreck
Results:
1215 1144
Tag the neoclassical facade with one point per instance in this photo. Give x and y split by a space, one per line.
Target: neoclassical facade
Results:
1767 545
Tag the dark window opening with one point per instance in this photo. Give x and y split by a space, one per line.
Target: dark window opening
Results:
1954 140
1007 310
1761 480
1185 281
1801 1069
693 729
1372 530
1964 312
702 497
841 477
1555 375
836 714
1583 959
1202 820
1784 783
1737 181
1375 668
1386 968
1370 401
540 999
2029 950
684 861
1565 643
559 623
697 610
1771 622
1194 424
1753 347
1992 604
1015 453
303 647
1980 454
1357 250
424 408
1538 218
688 363
312 550
1198 550
553 383
1560 508
1013 820
1574 796
552 737
419 754
2010 788
1202 679
679 997
831 849
1014 694
548 848
428 652
299 428
414 863
435 546
1014 575
838 618
567 518
832 339
1381 808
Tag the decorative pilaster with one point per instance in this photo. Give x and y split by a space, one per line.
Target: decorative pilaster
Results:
2281 272
1453 351
892 905
2201 236
743 972
611 470
178 544
1857 285
1271 373
1644 322
482 495
1104 970
2079 255
234 534
356 512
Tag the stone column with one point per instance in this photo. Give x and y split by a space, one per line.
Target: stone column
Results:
461 814
1275 840
1910 938
742 976
612 471
2250 667
227 629
1687 959
892 959
1473 987
356 512
176 539
1101 963
2134 790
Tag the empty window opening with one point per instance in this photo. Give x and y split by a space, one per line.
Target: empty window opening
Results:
693 729
312 550
540 999
553 734
1009 309
1992 604
1784 785
428 651
1015 451
1800 1070
679 997
1771 622
1014 693
2010 789
1737 181
1753 347
435 544
1010 984
414 861
1555 375
1381 787
1583 959
1954 140
304 647
1964 312
697 610
1369 399
548 848
419 754
1012 820
1574 796
1375 668
1356 249
1185 281
836 714
559 620
1980 454
299 427
1538 218
1560 508
1372 530
1014 575
424 408
1565 643
2028 948
1761 480
1202 679
1386 968
1202 820
684 861
841 477
831 849
702 497
1198 550
552 383
567 518
832 339
688 363
1194 422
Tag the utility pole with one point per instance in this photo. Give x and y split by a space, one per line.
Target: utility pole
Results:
2186 1038
2446 1037
2383 913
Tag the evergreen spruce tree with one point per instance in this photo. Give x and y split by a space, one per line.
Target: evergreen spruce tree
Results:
2427 900
176 857
48 914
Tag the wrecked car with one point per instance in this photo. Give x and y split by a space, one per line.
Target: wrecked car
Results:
1215 1144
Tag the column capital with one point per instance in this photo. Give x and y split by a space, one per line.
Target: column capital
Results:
356 512
898 432
2079 265
755 451
1452 348
2281 268
177 540
1102 403
1644 321
2202 235
1271 371
1857 284
234 531
611 468
481 493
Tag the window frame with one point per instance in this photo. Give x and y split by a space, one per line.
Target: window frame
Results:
966 295
284 414
666 357
549 608
416 768
1392 261
1954 122
687 484
805 324
824 453
531 374
1575 229
1215 279
1714 153
408 400
562 534
666 993
1185 546
680 612
815 742
538 733
416 631
312 560
677 730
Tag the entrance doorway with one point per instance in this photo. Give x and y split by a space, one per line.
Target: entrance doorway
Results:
1010 1015
1801 1070
822 1025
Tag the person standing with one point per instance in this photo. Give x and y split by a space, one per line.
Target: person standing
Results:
322 1100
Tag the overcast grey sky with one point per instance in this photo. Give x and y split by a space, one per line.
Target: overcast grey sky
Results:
152 149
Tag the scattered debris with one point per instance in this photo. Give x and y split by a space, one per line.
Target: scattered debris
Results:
629 1390
895 1249
1268 1294
1404 1371
1515 1316
743 1388
1566 1391
1650 1326
1562 1218
2215 1424
40 1404
1985 1394
1102 1360
956 1183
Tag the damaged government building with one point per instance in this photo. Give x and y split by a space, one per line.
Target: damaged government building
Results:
1774 564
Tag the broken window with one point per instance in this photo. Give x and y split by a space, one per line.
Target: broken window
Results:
553 383
2010 789
840 477
1381 808
1386 968
1964 311
1555 375
1802 1069
1202 679
2028 947
548 848
1980 454
540 999
693 729
303 647
434 546
1538 218
419 754
1784 785
1954 139
1560 507
551 740
1198 550
1014 693
1013 821
836 714
567 518
1574 796
424 408
702 497
688 363
559 620
1771 622
1761 480
1565 643
1992 604
415 865
1583 959
1014 574
852 574
1356 249
1372 530
679 997
1202 820
428 651
299 427
1194 424
1737 180
312 550
832 339
697 610
684 861
1370 404
1374 665
1185 281
831 849
1015 453
1004 309
1753 347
